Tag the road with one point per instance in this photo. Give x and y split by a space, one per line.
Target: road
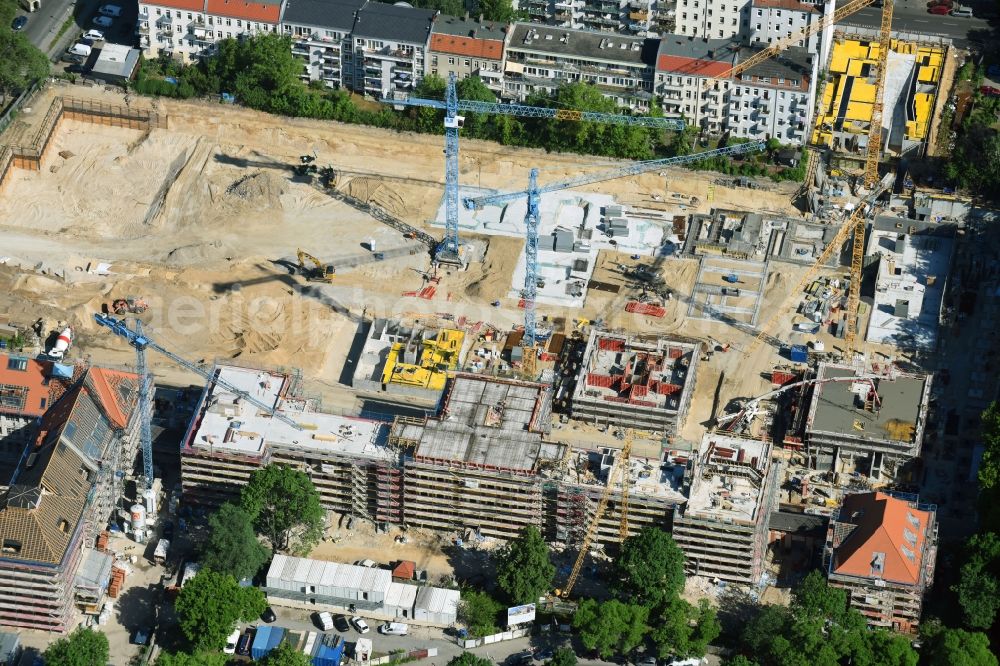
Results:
44 25
424 637
912 16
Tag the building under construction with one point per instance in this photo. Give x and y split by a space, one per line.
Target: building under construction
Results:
24 396
483 465
872 426
723 527
62 493
634 382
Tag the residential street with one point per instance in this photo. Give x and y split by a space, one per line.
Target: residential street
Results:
912 16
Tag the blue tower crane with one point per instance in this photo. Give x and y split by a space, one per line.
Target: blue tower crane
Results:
447 251
531 218
142 342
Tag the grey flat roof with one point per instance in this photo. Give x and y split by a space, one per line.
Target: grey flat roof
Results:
796 523
587 44
792 63
463 27
335 574
377 20
698 48
837 408
322 13
116 60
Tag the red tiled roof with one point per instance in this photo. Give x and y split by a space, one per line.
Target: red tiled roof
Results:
106 383
692 66
793 5
405 570
241 9
467 46
189 5
32 379
885 526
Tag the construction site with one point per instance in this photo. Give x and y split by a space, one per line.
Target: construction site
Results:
589 354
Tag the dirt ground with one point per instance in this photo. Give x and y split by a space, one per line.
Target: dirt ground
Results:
198 219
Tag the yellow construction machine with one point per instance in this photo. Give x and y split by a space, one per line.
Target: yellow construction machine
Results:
318 272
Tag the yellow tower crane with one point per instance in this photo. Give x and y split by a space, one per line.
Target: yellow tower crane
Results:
619 468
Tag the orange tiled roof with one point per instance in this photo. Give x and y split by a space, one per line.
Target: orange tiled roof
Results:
405 570
107 384
242 9
32 378
692 66
884 527
467 46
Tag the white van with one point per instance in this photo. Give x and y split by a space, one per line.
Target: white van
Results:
80 49
962 12
394 629
231 642
114 11
324 621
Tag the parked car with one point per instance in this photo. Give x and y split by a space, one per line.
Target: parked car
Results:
520 658
935 3
359 624
96 35
962 12
243 646
231 642
18 23
341 623
543 654
103 21
941 10
113 11
648 660
324 620
268 615
989 91
394 629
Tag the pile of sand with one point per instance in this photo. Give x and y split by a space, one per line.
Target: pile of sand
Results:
260 188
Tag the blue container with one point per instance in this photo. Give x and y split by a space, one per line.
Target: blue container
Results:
799 354
267 639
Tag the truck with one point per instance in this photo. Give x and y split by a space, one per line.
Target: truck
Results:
161 551
191 570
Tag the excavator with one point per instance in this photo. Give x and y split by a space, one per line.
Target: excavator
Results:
318 272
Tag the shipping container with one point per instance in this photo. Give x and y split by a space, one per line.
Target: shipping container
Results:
267 639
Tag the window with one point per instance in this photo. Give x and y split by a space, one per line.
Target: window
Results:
168 14
760 12
211 21
14 363
434 61
451 61
466 62
229 21
157 12
11 546
64 526
42 405
189 16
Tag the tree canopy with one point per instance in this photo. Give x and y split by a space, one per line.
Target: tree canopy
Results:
285 654
650 567
284 506
469 659
480 612
563 656
195 659
232 546
524 570
83 647
611 627
210 605
497 10
956 647
678 628
21 63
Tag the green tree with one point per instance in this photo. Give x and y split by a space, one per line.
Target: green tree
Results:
83 647
524 570
611 627
978 588
210 605
196 659
285 655
469 659
284 506
21 64
889 649
650 567
480 612
232 546
497 10
956 647
740 660
563 657
683 629
975 160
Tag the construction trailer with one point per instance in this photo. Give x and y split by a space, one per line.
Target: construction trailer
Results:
634 382
723 526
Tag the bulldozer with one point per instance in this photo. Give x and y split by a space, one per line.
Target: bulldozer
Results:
129 305
318 272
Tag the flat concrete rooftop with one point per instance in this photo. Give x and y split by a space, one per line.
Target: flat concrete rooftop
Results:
487 422
646 476
729 479
840 406
232 425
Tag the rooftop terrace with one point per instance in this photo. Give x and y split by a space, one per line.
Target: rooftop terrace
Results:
228 424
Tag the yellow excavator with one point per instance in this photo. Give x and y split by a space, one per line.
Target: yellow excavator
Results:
318 272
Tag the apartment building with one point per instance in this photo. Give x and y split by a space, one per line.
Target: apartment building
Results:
543 58
389 53
775 98
468 47
24 397
773 20
321 35
683 80
190 29
708 19
881 548
64 490
872 426
723 526
634 382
